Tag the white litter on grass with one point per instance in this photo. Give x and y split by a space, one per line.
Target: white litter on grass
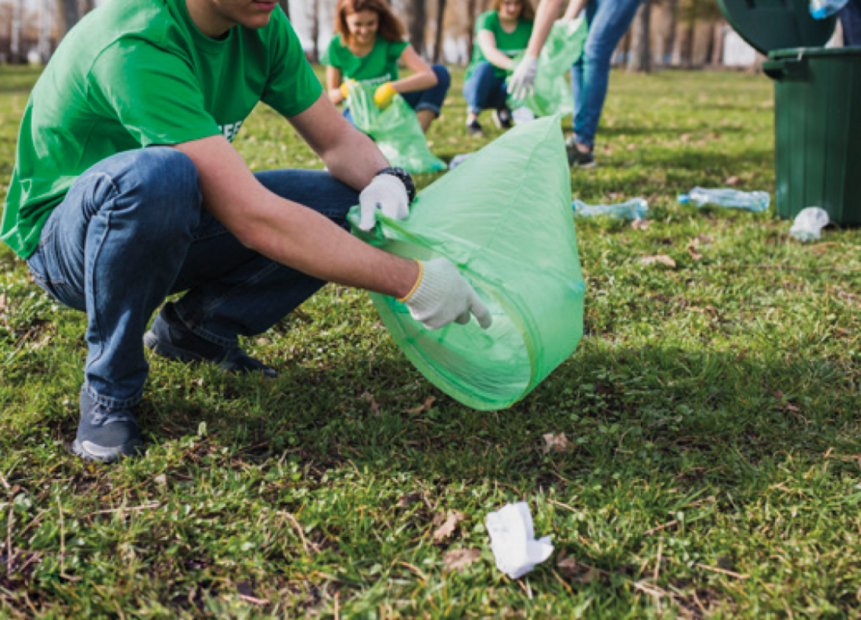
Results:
809 223
513 542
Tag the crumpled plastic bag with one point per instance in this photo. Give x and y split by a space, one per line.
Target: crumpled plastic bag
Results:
512 540
808 224
396 130
552 91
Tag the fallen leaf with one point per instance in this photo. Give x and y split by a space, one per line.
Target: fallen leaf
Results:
639 224
572 569
422 408
706 238
409 499
430 143
660 258
632 147
447 529
732 181
263 341
369 398
791 407
459 559
557 443
694 254
614 195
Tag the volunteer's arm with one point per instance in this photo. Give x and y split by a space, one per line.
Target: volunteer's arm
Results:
422 76
289 233
575 7
333 85
487 41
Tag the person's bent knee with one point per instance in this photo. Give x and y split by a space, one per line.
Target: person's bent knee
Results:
443 77
164 176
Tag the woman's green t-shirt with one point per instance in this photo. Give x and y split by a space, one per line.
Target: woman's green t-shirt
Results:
509 43
380 65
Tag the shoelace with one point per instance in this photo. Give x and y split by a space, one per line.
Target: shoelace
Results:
104 416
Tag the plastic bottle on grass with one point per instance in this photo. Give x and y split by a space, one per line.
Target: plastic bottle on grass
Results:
633 209
753 201
820 9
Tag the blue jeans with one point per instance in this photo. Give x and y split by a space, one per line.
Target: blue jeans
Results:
608 21
484 90
429 99
132 230
850 19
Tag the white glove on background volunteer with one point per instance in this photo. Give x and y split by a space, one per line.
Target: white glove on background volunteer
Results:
522 81
441 295
386 193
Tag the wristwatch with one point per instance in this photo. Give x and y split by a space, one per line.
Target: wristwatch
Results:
404 177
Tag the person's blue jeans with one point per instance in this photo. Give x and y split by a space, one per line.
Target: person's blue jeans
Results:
608 21
132 230
484 90
850 19
429 99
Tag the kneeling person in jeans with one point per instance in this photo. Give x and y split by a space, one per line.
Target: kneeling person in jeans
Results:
126 190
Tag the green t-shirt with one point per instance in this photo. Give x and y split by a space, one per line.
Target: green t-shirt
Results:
509 43
135 73
380 65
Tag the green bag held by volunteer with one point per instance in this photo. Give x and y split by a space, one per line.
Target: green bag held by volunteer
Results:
504 218
395 129
552 91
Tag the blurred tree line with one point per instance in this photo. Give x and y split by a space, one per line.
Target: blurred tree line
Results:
665 33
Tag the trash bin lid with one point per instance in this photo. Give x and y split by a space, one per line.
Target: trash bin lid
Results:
776 24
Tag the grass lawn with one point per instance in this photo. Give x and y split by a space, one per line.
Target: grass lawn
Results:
712 409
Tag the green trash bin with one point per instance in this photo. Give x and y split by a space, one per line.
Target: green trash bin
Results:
817 93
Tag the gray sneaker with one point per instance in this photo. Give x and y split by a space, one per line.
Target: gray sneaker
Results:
173 340
105 434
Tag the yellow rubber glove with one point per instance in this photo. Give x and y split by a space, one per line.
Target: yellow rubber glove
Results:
384 94
345 88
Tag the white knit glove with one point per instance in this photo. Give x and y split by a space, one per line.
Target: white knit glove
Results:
441 295
522 81
386 193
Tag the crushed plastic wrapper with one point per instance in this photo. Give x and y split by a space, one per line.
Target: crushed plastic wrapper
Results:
809 223
513 542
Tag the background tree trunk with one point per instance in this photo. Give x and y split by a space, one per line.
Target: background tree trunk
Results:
314 19
471 6
69 15
17 34
45 24
440 28
639 60
416 12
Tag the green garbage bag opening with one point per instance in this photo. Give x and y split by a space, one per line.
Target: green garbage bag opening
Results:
396 130
552 92
504 218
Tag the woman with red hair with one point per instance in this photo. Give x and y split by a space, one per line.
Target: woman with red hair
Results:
368 43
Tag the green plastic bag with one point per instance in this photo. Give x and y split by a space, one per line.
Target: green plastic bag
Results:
395 129
504 218
552 92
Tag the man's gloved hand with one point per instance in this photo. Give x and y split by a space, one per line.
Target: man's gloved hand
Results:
386 193
345 88
384 94
522 80
441 295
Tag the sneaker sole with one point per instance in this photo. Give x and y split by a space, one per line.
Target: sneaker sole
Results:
91 452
